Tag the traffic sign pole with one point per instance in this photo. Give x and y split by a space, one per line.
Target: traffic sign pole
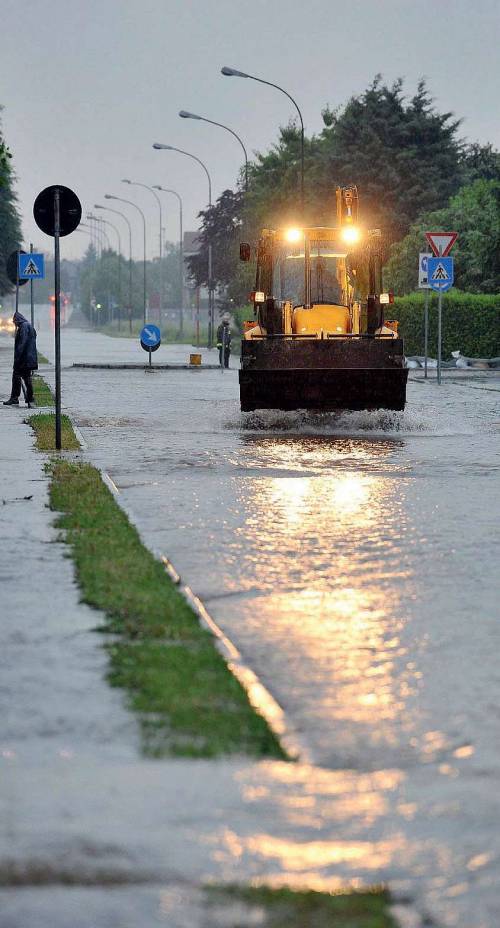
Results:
17 283
57 307
31 293
440 316
426 332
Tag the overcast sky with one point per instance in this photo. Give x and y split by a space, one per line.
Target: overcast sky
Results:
89 85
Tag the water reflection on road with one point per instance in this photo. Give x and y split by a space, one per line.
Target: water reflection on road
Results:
324 542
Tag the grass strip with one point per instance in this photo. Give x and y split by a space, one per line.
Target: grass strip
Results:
42 392
42 359
44 427
187 700
285 908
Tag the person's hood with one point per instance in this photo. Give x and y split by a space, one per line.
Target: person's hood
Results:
18 318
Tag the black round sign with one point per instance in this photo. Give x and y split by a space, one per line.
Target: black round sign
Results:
70 210
12 268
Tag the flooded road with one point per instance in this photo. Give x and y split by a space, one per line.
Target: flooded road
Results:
352 559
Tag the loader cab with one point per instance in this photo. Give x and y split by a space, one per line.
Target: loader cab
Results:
319 281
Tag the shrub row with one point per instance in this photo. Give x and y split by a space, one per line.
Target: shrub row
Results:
471 323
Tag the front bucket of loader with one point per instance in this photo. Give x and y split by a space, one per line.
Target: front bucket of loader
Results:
323 374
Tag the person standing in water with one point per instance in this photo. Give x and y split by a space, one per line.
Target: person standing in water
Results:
25 361
224 342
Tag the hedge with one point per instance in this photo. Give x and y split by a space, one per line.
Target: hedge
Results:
471 323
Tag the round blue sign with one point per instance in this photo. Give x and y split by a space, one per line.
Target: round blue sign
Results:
150 337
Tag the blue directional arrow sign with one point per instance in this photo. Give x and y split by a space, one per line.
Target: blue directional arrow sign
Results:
440 273
31 266
150 337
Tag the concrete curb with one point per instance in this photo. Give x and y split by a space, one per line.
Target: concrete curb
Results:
258 695
138 366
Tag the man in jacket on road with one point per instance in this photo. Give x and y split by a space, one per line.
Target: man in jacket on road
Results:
224 342
25 360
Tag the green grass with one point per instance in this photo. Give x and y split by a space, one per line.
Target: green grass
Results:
285 908
44 427
43 393
42 359
187 700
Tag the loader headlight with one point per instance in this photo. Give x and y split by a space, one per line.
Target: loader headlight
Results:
351 234
293 235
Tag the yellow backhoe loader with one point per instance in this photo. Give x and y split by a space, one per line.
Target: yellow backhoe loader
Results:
319 339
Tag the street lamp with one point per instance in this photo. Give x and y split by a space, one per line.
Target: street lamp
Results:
119 253
181 249
125 217
159 146
185 115
99 228
89 230
135 183
109 196
232 72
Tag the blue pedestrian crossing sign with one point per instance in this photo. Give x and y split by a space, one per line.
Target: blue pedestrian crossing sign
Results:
440 273
31 266
150 337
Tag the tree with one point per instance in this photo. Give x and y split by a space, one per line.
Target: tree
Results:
403 156
10 226
480 162
224 226
475 214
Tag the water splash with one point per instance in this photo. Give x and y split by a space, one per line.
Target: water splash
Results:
377 422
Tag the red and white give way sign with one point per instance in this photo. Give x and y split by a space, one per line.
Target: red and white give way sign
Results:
441 242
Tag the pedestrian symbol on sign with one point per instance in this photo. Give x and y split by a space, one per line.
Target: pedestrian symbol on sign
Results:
31 270
440 273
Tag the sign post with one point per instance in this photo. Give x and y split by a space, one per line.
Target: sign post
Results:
440 274
32 305
423 283
57 310
57 211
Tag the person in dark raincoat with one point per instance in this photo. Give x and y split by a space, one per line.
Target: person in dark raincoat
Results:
224 341
25 361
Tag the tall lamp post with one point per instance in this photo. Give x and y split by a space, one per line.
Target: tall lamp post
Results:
89 230
107 222
185 115
99 229
181 250
159 146
232 72
135 183
125 217
110 196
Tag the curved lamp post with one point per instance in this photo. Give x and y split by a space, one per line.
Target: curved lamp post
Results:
135 183
110 196
232 72
119 253
159 146
181 250
185 115
125 217
99 228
